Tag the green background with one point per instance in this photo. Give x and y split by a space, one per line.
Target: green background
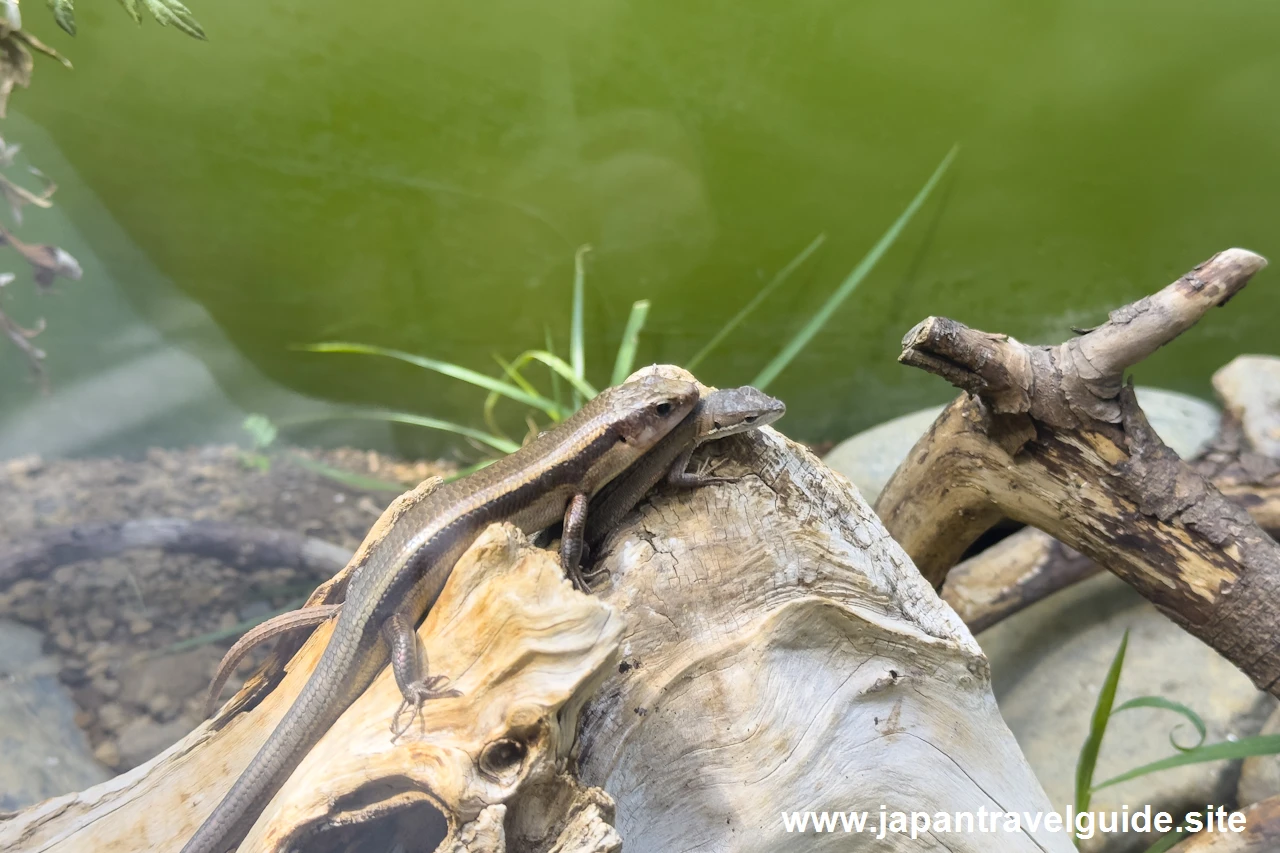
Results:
418 174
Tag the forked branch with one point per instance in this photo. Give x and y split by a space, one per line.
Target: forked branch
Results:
1053 438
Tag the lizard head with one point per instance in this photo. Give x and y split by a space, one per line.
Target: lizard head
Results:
733 410
648 409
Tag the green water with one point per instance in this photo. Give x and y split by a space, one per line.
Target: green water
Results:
418 175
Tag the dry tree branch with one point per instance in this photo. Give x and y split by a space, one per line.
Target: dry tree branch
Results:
1053 438
1031 565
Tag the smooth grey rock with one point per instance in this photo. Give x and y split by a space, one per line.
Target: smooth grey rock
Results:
1048 663
1260 775
42 752
869 458
1249 386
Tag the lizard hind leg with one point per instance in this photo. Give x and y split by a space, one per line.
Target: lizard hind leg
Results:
409 663
572 544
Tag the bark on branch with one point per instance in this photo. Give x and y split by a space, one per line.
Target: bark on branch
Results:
1078 382
1051 437
1013 574
1031 565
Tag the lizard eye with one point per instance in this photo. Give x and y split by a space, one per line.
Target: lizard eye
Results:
750 419
663 409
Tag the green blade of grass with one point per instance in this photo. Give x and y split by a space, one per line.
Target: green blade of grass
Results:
781 276
452 370
1229 749
577 352
498 443
347 478
470 469
1166 842
555 377
580 386
1097 728
1168 705
491 401
819 319
630 340
515 376
224 633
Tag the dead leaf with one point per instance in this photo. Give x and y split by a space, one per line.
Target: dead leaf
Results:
47 261
7 153
16 61
15 67
21 338
18 196
35 44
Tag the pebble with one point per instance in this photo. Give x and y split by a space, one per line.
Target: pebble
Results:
24 466
66 575
112 715
99 626
100 653
108 753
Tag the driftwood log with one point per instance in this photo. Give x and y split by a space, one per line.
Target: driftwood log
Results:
759 647
1243 463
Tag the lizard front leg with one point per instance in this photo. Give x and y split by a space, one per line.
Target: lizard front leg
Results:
409 663
679 474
